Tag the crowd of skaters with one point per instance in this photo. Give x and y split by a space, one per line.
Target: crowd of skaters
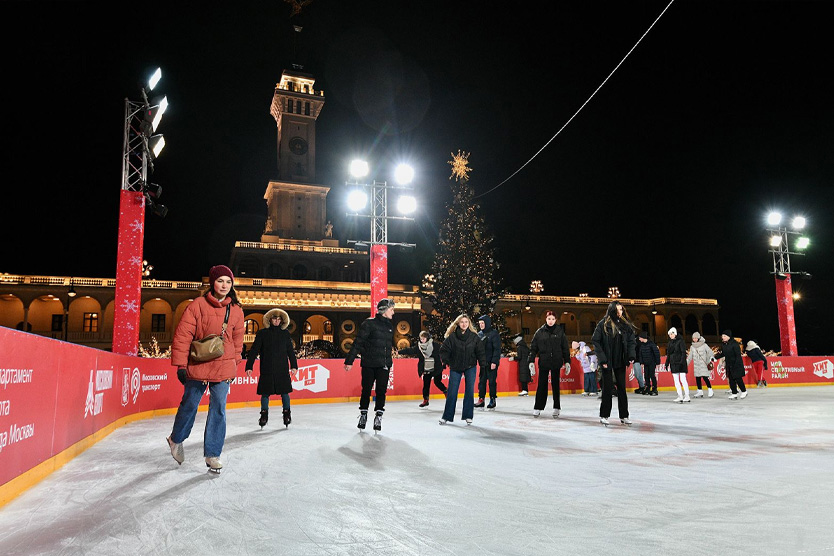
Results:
464 350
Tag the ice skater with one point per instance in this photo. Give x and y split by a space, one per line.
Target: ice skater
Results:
274 345
489 374
590 384
731 353
650 359
217 311
703 360
462 350
676 363
754 352
429 364
551 346
614 345
522 356
375 343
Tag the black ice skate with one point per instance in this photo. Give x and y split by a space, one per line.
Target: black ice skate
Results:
480 402
378 421
363 418
287 418
264 418
491 405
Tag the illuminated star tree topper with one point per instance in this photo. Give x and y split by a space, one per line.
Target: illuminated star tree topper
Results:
460 166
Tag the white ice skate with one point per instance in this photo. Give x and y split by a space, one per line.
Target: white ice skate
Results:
743 395
536 413
686 399
177 451
214 464
709 393
443 421
469 421
679 399
556 412
625 421
604 421
523 393
732 397
699 394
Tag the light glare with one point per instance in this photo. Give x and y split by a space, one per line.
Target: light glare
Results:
357 199
774 218
798 222
157 75
775 241
803 242
158 146
358 168
406 204
403 173
163 105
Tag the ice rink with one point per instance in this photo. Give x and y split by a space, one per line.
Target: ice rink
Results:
713 476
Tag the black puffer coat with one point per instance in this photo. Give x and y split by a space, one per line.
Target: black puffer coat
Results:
731 352
274 345
614 349
676 355
421 363
374 342
551 346
462 351
523 358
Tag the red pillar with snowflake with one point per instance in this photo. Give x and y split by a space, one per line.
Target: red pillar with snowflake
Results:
379 275
129 273
787 326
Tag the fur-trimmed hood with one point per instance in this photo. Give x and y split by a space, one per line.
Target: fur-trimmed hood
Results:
285 318
454 325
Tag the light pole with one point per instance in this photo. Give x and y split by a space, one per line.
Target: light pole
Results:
378 244
140 148
780 249
70 295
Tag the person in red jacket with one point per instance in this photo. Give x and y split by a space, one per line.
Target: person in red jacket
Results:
206 315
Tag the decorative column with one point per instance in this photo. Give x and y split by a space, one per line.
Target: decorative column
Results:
379 275
129 272
787 326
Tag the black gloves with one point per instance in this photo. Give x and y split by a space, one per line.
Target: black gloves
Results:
181 375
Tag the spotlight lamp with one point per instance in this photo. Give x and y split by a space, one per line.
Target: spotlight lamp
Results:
798 222
406 204
157 75
357 199
403 174
775 241
358 168
774 218
803 243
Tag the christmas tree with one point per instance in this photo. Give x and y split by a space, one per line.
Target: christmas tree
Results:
464 274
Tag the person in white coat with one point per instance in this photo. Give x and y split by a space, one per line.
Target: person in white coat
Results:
703 360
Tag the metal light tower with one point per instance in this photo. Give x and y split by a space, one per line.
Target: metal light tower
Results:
379 221
140 147
780 249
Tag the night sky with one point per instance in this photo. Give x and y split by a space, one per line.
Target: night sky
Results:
658 186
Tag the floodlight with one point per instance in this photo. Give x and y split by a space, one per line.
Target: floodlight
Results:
775 241
406 204
403 174
358 168
163 105
798 222
157 75
357 199
802 242
774 218
158 144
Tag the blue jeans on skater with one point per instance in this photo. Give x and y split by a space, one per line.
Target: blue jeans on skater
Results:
591 383
285 402
468 394
215 433
638 374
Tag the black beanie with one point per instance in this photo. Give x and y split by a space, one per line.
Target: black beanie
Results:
644 335
728 333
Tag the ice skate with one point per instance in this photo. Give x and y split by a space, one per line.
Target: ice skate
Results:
443 421
759 384
679 399
214 464
177 451
556 412
604 421
732 397
654 393
480 403
363 418
743 395
491 405
686 398
764 383
699 394
647 392
287 418
523 393
625 421
710 393
536 412
378 421
468 421
638 390
264 418
425 402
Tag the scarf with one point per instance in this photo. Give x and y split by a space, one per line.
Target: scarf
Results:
427 348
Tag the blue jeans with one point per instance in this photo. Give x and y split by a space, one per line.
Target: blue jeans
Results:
285 402
591 383
638 374
468 394
215 433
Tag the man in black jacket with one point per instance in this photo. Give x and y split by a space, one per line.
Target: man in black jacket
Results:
649 357
374 342
492 347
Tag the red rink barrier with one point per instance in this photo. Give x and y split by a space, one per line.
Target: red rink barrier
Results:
56 399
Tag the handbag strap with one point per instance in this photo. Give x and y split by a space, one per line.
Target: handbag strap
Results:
226 320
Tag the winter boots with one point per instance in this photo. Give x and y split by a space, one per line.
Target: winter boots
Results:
287 418
264 418
491 404
480 403
363 418
378 421
425 402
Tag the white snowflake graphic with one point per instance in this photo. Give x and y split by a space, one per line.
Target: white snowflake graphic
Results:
136 226
129 306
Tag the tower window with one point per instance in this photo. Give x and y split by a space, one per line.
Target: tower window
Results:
289 105
298 107
306 108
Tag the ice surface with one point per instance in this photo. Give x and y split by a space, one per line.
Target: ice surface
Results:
710 477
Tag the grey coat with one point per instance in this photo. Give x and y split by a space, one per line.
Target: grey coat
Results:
700 354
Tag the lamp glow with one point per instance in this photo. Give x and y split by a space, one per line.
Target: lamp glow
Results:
357 199
157 75
775 241
158 146
404 174
798 222
803 242
163 105
406 204
773 219
358 168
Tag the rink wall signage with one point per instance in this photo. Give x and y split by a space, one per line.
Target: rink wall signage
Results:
55 397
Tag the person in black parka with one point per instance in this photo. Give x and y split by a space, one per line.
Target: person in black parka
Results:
677 365
274 345
614 345
429 364
523 358
731 353
550 345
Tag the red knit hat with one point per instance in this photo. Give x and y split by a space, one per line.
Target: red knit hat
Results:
218 271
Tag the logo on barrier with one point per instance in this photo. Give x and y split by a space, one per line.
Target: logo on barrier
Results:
313 378
131 380
100 380
824 369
